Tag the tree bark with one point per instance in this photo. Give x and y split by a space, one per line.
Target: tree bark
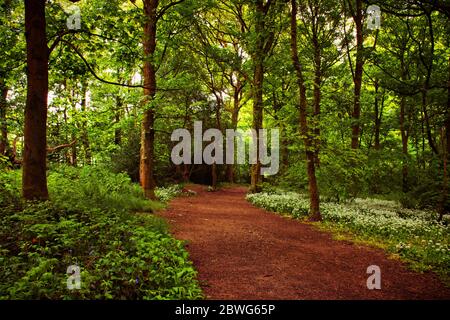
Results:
3 125
147 179
34 180
404 130
237 89
258 79
377 117
317 92
84 131
314 208
263 43
73 153
357 80
214 168
404 134
117 115
426 118
446 152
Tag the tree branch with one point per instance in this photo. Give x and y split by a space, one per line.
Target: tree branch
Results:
62 146
164 9
91 70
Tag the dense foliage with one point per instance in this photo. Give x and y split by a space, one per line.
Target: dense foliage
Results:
98 221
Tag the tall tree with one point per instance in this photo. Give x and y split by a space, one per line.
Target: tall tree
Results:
314 204
356 11
147 157
148 133
34 179
3 125
264 39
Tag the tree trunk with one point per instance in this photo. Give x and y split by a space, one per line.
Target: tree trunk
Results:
147 179
317 94
71 157
186 172
404 131
117 114
214 169
263 43
445 151
404 135
3 125
84 131
377 118
426 118
73 153
312 182
234 122
258 79
357 80
34 179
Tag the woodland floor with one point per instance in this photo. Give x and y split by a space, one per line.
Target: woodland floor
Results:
243 252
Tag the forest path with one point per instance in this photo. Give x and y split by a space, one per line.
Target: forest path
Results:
243 252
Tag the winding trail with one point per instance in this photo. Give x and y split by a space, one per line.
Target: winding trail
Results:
243 252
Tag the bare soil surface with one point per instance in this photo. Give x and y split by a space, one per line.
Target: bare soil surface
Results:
243 252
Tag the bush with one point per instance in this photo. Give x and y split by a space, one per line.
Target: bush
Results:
125 158
427 195
342 174
89 223
165 194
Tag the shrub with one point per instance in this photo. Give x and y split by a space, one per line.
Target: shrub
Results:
165 194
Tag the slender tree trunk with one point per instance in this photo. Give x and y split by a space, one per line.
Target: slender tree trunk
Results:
357 80
234 122
427 121
317 94
312 182
263 43
73 153
214 168
3 125
84 133
284 139
405 129
444 194
446 151
284 149
257 122
147 179
404 135
70 157
34 179
377 117
186 172
117 114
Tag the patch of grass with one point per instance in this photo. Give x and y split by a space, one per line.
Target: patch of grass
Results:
98 221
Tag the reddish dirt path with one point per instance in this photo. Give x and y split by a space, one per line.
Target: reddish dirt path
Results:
243 252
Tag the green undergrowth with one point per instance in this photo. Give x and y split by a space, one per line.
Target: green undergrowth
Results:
99 222
414 236
165 194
